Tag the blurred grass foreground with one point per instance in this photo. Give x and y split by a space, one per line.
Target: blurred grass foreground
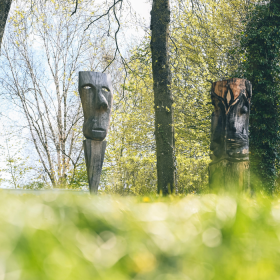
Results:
55 236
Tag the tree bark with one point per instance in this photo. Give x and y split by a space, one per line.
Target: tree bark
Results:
5 6
164 129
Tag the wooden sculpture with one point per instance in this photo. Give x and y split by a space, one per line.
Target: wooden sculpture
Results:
229 168
96 94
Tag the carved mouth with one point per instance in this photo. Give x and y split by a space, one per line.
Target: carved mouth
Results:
99 129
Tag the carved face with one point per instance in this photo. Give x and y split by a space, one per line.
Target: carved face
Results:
96 94
230 119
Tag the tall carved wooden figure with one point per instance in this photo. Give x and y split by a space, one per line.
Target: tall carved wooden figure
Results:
96 94
229 168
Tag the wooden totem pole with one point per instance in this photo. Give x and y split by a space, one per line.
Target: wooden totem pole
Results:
229 168
96 94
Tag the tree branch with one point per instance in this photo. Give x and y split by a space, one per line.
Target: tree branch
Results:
108 11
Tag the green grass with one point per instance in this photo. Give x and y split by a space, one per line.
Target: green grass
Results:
68 236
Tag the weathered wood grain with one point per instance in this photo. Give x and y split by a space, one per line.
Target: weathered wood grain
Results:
230 134
230 119
94 156
96 94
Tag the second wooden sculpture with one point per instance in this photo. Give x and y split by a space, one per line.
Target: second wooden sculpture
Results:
229 168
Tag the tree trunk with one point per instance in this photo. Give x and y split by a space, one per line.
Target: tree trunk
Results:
164 129
4 11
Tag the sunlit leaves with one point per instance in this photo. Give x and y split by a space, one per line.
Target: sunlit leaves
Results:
199 53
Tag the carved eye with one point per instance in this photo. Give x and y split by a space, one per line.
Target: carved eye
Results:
105 89
86 87
244 110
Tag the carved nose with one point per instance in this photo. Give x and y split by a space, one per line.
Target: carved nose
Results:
101 101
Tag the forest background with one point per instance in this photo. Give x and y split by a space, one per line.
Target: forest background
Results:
44 47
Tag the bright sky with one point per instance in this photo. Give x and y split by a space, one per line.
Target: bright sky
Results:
143 8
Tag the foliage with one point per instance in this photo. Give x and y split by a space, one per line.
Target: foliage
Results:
68 236
130 163
79 179
43 51
15 167
35 185
260 44
199 53
203 34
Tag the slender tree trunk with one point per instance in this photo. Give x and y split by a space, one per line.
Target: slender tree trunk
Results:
5 6
164 129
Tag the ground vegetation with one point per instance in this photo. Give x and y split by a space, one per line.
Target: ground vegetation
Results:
70 236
